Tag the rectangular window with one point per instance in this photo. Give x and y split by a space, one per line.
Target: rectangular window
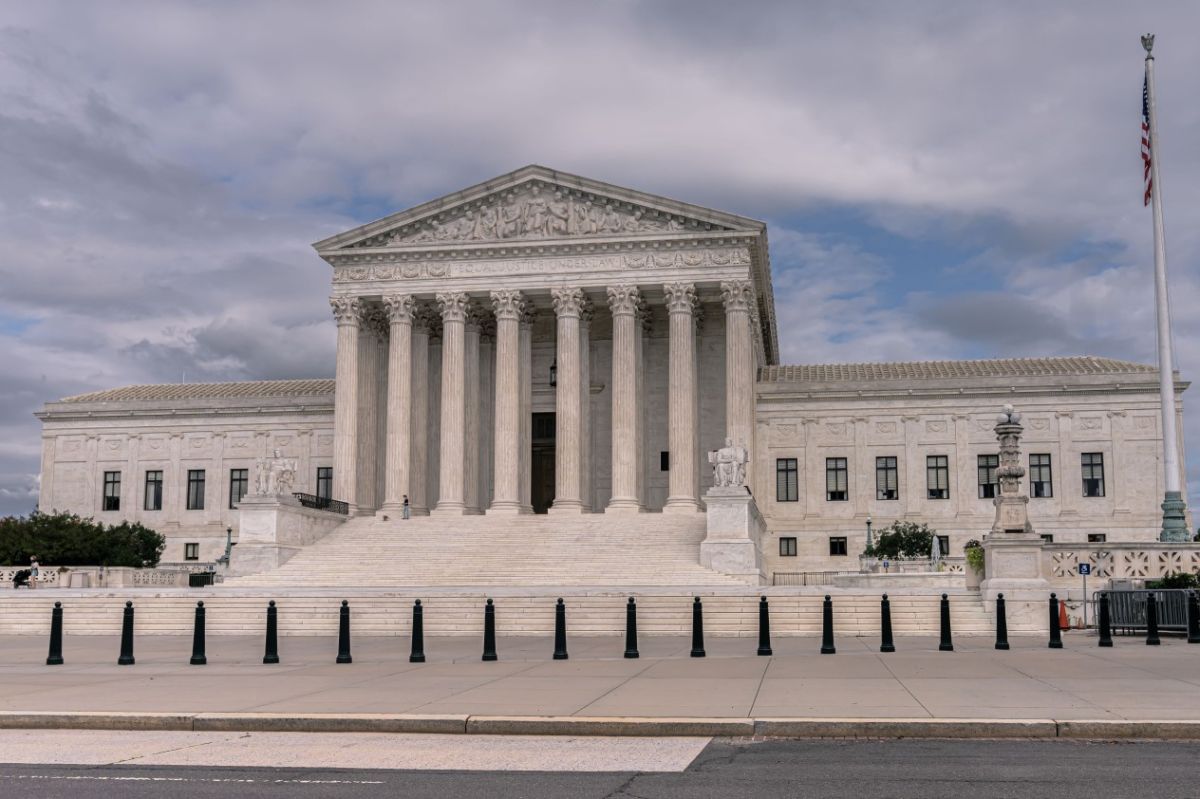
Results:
112 491
1097 538
153 491
195 495
664 461
837 545
1048 538
239 484
937 476
989 484
325 482
191 552
787 547
836 480
1092 464
887 478
787 488
944 545
1041 481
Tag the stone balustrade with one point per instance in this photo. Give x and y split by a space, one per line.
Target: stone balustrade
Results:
1119 561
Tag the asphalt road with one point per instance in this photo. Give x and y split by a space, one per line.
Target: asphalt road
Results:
725 770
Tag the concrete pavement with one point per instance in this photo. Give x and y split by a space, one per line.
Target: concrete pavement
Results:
1079 683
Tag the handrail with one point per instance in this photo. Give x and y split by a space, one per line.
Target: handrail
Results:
322 503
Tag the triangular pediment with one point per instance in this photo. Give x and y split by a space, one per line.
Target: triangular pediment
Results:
537 204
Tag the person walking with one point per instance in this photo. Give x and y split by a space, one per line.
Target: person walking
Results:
33 571
405 511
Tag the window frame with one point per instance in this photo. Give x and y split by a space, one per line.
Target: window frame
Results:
324 479
835 468
1097 538
191 550
890 473
110 498
944 544
991 488
1089 467
839 542
239 486
787 546
942 469
1048 483
787 478
195 496
156 494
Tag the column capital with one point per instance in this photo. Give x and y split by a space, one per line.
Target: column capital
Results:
568 302
624 300
425 318
454 306
373 320
508 305
400 308
528 315
680 297
738 295
345 310
475 318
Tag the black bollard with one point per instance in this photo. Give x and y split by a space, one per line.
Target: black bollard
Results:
1152 620
827 647
1001 624
631 649
55 657
198 658
560 630
272 653
418 634
126 658
489 632
1105 622
697 628
764 627
343 655
1193 618
885 625
1055 627
946 644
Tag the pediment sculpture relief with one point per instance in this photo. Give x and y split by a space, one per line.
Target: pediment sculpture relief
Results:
538 212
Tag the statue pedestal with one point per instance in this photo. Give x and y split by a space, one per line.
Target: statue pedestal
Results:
735 529
273 529
1013 565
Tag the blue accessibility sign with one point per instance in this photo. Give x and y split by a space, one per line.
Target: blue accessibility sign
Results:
1085 569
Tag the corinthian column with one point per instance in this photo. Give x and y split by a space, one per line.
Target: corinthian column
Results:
568 443
740 364
508 306
397 470
451 480
683 437
626 372
419 448
525 381
345 401
372 331
472 412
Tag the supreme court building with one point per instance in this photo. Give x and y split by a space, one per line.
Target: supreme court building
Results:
544 343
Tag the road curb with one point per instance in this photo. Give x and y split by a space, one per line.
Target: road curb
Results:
1082 729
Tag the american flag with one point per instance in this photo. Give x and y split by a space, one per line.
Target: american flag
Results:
1146 155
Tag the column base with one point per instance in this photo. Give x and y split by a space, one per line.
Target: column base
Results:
415 511
681 505
573 507
624 505
449 509
499 508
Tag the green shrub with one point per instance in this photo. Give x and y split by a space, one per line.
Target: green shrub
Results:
1175 580
66 539
974 552
903 539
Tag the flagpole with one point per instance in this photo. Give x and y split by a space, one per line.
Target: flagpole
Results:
1174 521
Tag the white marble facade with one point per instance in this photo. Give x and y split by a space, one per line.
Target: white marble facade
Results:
658 320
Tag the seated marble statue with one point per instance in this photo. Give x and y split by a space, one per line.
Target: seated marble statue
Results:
729 465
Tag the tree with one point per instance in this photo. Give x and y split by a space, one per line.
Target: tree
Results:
903 539
66 539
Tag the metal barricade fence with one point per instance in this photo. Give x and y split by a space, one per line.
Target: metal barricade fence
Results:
1127 609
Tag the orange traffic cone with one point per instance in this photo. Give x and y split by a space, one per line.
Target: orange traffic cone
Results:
1063 621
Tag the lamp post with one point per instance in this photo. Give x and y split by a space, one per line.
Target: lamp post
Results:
870 540
554 373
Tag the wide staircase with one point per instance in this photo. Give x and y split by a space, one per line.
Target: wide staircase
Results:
650 549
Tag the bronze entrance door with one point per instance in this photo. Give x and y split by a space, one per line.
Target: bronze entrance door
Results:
542 462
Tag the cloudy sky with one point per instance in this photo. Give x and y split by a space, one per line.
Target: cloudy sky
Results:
942 180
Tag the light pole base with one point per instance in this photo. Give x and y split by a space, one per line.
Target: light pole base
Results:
1174 526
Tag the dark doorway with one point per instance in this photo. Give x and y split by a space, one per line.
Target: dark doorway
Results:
542 463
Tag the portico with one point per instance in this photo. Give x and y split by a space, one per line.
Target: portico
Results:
542 293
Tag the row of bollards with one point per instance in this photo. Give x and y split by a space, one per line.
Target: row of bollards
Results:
417 655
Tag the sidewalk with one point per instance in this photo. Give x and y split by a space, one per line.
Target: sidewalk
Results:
1081 682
